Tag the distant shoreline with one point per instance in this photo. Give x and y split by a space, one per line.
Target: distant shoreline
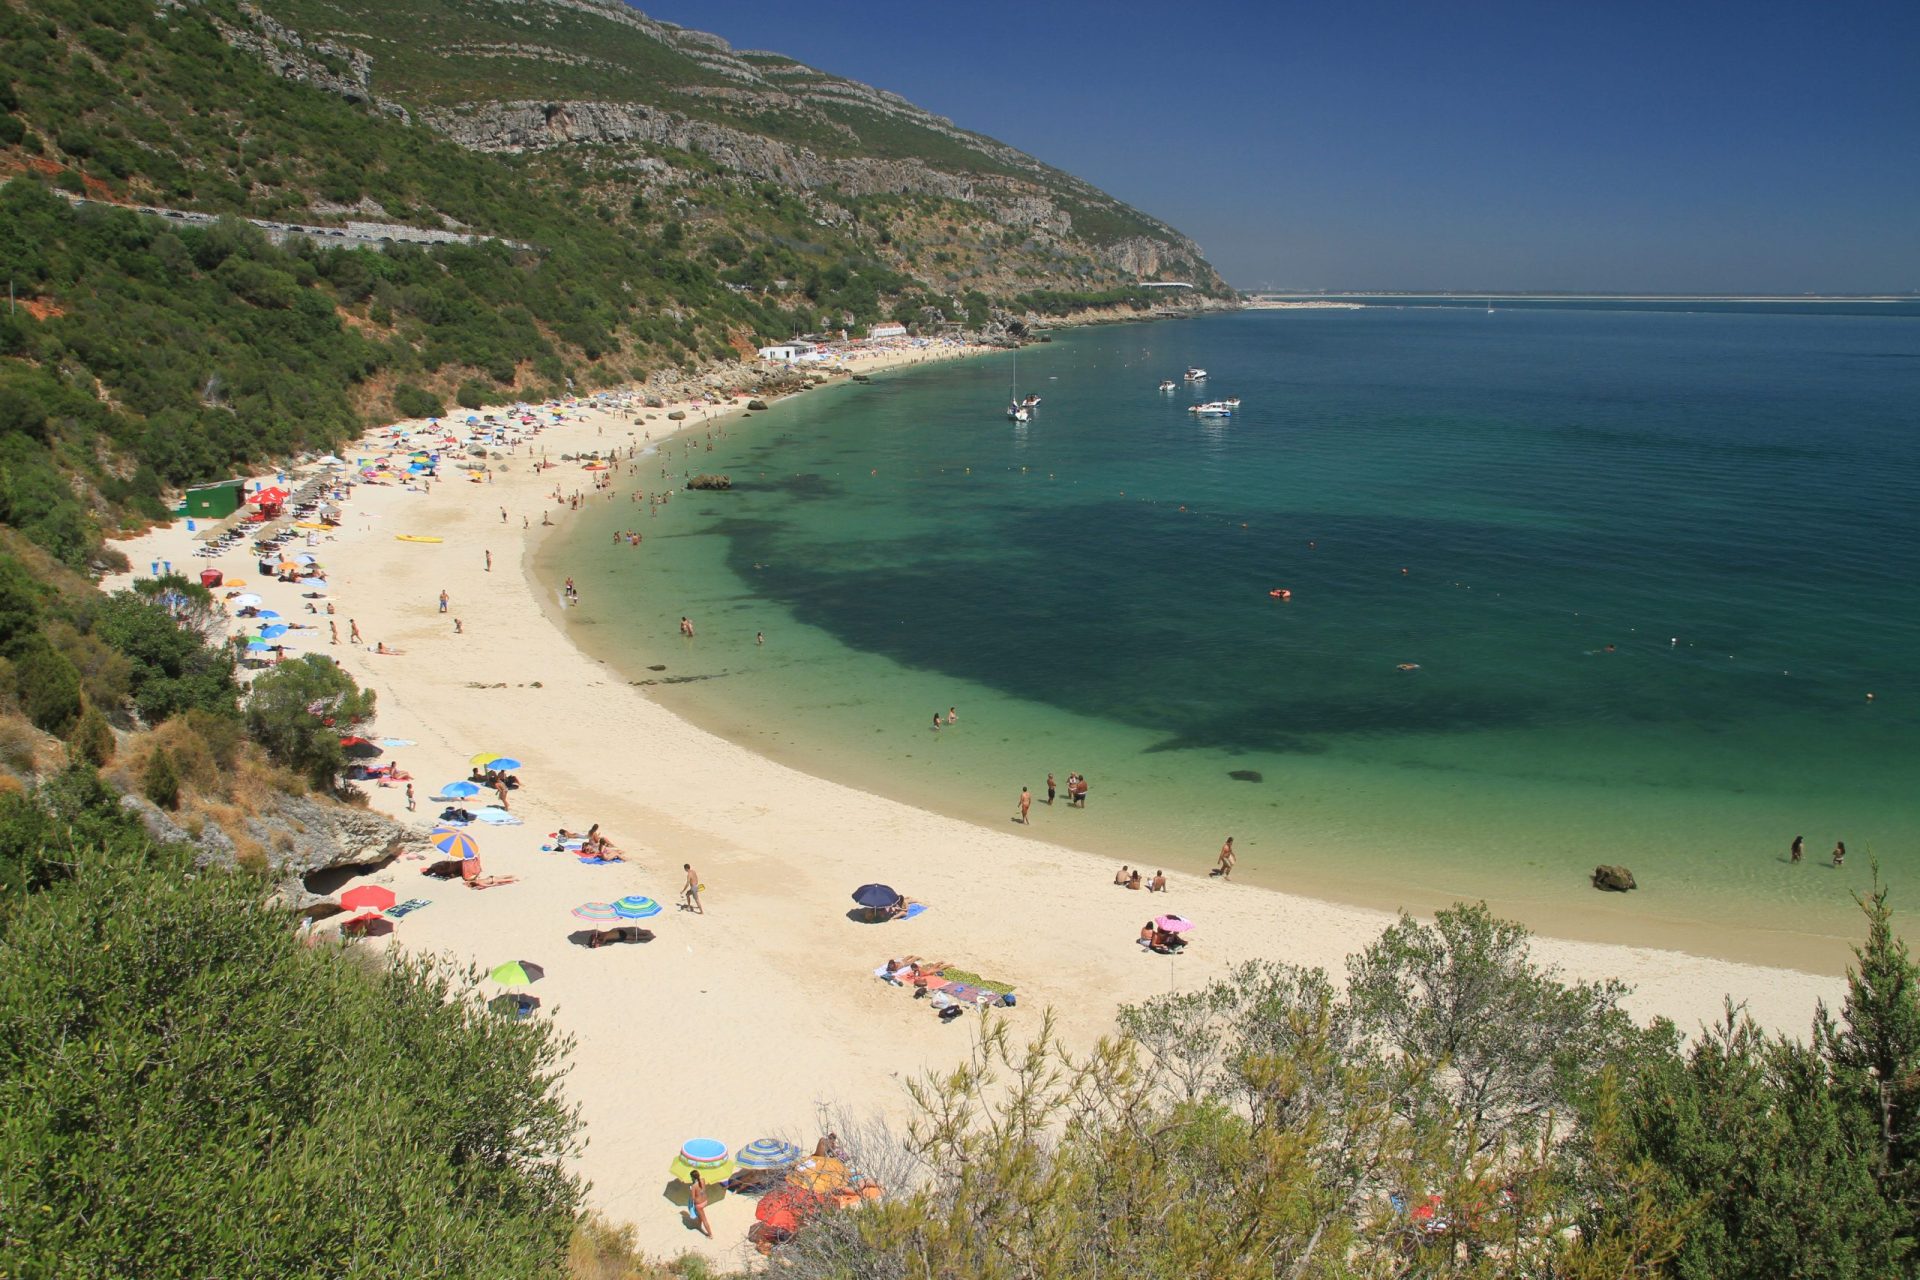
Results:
1264 295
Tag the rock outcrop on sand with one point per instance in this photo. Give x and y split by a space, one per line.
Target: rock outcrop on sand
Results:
1613 879
300 835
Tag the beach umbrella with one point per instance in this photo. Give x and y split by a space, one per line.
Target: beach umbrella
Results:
246 600
458 843
821 1175
305 558
273 632
267 613
505 764
371 896
636 907
595 911
485 757
1172 924
876 895
259 646
236 582
767 1153
785 1208
513 1005
287 566
462 790
517 973
708 1155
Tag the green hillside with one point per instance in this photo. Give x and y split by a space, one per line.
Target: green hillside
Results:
144 352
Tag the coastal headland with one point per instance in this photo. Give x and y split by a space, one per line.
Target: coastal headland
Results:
760 1015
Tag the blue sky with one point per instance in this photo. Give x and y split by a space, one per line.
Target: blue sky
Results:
1497 146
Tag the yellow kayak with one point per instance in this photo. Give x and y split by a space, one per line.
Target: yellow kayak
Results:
415 537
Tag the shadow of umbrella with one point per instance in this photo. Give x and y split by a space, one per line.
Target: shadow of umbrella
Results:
367 926
513 1005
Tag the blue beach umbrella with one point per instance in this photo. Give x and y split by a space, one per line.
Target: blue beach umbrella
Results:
460 790
273 632
259 646
265 613
636 907
504 762
767 1153
876 895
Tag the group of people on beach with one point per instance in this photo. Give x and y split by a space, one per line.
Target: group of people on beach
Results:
1797 852
1132 878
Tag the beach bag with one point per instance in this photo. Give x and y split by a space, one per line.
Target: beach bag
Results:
1008 1000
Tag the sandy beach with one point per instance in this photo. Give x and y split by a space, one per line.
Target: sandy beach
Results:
761 1014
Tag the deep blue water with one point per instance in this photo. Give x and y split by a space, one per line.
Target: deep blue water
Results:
1727 497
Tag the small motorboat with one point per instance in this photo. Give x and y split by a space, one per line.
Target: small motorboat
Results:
1168 384
1196 374
1212 409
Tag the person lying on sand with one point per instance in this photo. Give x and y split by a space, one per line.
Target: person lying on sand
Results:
382 647
900 906
470 872
625 933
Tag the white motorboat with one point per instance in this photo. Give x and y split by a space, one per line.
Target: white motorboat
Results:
1168 384
1214 409
1196 375
1017 413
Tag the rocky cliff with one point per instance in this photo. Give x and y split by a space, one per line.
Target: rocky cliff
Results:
663 109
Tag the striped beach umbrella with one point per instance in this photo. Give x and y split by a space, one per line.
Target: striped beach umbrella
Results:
516 973
596 911
767 1153
636 907
455 842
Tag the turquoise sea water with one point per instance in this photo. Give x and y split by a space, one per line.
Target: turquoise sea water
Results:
1729 496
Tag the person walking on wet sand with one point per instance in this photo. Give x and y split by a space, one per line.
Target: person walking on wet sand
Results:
1026 805
1839 852
1225 868
690 896
1799 849
1050 788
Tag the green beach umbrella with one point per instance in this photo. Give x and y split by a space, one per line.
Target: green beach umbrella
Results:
517 973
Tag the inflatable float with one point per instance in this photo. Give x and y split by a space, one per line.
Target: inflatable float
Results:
415 537
1281 593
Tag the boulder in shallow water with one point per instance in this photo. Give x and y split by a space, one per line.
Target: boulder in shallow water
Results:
710 482
1613 879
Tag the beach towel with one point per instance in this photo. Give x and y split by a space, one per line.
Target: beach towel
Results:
407 907
593 862
882 974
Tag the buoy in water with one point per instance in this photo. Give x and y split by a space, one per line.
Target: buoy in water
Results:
1281 593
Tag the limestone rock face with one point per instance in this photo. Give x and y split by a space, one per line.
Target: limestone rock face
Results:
1614 879
300 834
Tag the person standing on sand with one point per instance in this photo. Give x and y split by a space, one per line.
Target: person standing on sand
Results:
443 599
489 561
1799 849
333 632
690 896
1227 859
1839 852
353 631
1026 804
409 797
697 1203
1050 788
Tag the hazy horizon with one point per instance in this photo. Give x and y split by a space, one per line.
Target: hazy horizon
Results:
1715 149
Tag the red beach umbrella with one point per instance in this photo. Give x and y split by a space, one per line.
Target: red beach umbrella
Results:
371 897
785 1207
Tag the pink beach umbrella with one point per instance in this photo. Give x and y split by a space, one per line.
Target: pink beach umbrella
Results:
1172 924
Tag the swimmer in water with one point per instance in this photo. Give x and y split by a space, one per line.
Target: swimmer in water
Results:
1408 666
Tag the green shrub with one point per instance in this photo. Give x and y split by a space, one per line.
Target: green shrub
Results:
409 401
92 739
473 395
161 782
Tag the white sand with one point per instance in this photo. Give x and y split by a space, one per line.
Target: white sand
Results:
748 1020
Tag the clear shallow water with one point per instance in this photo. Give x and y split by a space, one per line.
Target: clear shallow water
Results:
1728 498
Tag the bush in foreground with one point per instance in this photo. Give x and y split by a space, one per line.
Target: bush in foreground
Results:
189 1090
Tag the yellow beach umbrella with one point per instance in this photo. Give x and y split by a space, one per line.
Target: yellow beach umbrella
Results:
234 582
485 758
822 1175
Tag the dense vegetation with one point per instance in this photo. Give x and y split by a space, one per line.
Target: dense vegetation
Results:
142 353
1458 1111
190 1090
